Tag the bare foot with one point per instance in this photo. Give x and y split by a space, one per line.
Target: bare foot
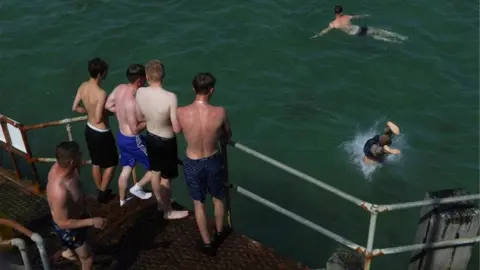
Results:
69 255
173 214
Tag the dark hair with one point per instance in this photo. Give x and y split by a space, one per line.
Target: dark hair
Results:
97 67
135 72
203 82
338 9
384 140
66 152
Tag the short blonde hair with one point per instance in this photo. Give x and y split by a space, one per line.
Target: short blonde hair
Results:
155 71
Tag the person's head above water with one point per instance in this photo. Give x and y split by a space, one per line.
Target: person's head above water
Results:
384 140
338 10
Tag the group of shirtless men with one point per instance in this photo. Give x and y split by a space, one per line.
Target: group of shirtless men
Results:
137 108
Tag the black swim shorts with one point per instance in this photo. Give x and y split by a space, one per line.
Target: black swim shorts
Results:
101 147
162 155
363 31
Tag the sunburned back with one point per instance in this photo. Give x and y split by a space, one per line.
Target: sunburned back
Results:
155 103
91 95
201 125
71 187
125 108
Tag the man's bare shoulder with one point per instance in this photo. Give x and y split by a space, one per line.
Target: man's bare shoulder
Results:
55 191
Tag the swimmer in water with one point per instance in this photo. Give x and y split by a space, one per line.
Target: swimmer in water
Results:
343 23
378 148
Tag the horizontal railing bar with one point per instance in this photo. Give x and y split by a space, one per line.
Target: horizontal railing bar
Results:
440 244
301 175
300 219
53 160
56 123
398 206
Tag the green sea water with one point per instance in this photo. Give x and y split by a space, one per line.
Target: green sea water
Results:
308 103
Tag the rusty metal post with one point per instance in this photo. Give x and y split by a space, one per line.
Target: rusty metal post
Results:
9 149
36 177
226 183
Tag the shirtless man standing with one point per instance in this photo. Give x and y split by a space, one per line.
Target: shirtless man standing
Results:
159 106
66 201
343 22
203 125
100 140
131 144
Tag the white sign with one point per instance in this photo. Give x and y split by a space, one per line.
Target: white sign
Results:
16 137
2 136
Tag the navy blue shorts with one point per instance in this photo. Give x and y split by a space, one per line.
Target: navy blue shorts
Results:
132 150
71 238
204 175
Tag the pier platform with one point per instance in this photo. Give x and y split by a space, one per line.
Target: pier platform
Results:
136 237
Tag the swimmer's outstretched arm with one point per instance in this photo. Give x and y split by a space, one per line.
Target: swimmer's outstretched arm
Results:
391 150
323 32
359 16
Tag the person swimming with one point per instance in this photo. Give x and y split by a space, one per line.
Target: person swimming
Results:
343 23
378 148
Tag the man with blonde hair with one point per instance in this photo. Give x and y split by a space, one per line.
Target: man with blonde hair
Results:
159 106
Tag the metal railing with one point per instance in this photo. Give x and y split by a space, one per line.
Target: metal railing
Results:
20 244
373 209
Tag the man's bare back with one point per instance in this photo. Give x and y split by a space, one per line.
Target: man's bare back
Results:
122 102
156 104
202 126
67 187
93 99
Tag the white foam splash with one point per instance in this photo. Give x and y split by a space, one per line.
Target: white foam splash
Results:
354 149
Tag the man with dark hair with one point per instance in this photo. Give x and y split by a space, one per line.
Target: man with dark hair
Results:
158 106
130 142
100 140
66 201
343 23
378 148
203 125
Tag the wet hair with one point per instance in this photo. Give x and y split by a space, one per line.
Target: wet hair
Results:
66 152
384 140
155 70
203 82
338 10
97 67
135 72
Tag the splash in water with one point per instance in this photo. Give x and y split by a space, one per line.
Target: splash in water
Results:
354 148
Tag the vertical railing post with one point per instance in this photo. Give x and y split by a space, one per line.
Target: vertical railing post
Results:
226 183
9 149
69 132
371 237
36 180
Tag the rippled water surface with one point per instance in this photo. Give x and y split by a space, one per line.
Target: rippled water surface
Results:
290 97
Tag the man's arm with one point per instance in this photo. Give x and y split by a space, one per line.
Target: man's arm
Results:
173 115
100 108
391 150
323 32
133 122
76 103
226 126
58 204
110 104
